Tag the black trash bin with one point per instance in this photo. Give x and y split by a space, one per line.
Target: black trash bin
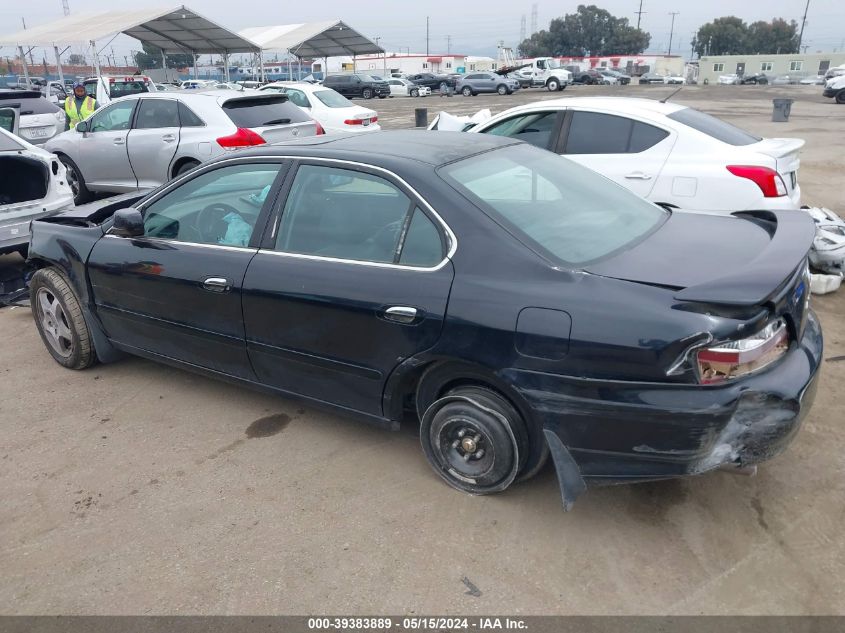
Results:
781 109
421 117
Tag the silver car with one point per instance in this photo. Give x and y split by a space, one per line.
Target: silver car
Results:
476 83
39 120
144 140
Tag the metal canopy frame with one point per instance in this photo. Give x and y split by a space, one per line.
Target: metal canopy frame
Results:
332 38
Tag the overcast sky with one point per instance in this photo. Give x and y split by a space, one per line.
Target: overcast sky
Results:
475 26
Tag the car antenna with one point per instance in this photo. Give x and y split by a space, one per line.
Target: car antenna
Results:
664 100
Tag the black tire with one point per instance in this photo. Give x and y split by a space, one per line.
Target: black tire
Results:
415 92
59 320
553 85
475 440
382 96
706 82
840 97
466 91
367 93
81 195
185 167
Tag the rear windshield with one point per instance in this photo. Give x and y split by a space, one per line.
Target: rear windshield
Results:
559 208
125 88
713 127
28 105
263 111
333 99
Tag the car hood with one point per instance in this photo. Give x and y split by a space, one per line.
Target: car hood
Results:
740 259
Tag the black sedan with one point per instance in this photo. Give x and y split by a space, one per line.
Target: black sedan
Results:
435 82
758 79
517 303
652 78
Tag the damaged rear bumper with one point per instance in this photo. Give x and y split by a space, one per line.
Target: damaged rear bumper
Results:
602 431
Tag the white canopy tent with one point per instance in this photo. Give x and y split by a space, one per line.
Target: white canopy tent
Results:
331 38
174 30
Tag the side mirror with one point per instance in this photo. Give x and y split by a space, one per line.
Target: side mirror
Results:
82 126
128 223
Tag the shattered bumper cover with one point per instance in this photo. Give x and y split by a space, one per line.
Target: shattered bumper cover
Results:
614 431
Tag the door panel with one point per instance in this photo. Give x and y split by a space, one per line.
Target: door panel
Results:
176 291
317 302
102 150
153 140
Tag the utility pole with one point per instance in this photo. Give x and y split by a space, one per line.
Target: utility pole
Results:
65 8
522 28
448 44
672 30
533 18
426 34
803 23
639 14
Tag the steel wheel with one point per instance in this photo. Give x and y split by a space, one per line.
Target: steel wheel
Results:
553 85
415 92
474 439
54 323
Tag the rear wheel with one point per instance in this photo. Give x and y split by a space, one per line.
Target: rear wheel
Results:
502 89
81 195
467 91
840 96
367 93
475 440
185 167
59 320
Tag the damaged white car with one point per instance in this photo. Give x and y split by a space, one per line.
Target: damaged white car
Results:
828 252
33 186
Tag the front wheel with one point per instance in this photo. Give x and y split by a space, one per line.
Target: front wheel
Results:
467 91
415 92
553 85
59 320
367 93
475 440
840 97
502 89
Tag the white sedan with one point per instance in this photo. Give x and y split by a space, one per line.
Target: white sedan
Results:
335 113
405 88
729 80
665 152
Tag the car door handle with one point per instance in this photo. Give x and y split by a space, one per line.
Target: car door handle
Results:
401 314
168 138
217 284
638 175
119 141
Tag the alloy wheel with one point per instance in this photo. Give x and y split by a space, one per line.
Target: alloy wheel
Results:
54 323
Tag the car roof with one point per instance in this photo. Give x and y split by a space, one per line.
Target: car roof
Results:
628 105
421 146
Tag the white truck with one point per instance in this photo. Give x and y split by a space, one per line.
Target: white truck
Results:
545 72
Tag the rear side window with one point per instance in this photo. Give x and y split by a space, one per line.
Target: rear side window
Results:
596 133
713 127
157 113
187 118
262 111
31 105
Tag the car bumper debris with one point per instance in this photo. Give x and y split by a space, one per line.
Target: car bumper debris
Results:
828 252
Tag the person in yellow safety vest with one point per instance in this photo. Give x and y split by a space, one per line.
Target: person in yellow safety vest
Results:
79 106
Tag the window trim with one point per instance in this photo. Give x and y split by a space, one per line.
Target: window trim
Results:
446 234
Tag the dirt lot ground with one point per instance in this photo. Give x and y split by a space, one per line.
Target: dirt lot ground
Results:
134 488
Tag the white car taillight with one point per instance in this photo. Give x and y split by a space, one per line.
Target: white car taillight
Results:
769 181
739 358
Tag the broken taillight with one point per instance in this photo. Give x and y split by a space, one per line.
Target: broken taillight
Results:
319 128
244 137
769 181
739 358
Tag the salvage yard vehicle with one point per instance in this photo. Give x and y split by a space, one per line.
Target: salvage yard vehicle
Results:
145 140
40 120
357 85
333 112
652 78
547 72
756 79
355 273
33 185
404 88
835 89
478 83
121 85
434 82
664 152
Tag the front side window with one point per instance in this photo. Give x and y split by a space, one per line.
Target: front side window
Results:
597 133
560 209
112 118
157 113
216 207
535 128
346 214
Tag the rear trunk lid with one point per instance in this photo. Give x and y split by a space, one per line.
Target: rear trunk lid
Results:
785 152
739 260
272 116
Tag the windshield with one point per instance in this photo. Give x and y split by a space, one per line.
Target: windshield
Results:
713 127
333 99
553 63
563 210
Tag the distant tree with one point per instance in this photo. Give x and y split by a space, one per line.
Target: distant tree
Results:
777 36
75 59
588 31
150 57
731 36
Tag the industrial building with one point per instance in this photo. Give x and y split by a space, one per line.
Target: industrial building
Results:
794 65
